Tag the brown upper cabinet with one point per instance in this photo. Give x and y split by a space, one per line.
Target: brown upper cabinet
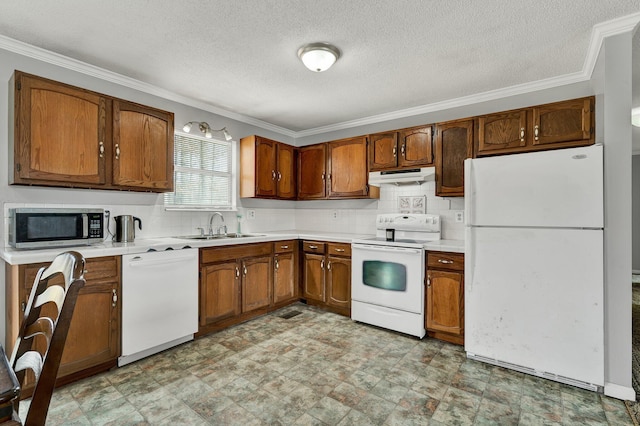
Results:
334 170
401 149
557 125
267 169
142 147
454 143
312 172
71 137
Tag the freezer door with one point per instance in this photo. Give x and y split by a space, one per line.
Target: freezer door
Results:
561 188
534 298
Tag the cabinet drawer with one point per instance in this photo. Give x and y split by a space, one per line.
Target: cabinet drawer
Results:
284 246
98 268
445 260
234 252
339 249
313 247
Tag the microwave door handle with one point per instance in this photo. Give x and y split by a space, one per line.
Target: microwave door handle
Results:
85 225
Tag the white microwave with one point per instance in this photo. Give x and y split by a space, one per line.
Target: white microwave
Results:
31 228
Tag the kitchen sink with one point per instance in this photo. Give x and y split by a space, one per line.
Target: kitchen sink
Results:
218 237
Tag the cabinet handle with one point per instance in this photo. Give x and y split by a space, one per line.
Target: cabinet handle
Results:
244 270
402 150
522 134
328 265
322 264
279 176
117 152
445 261
536 130
323 176
23 306
101 149
394 152
273 175
313 247
329 177
114 298
428 280
237 272
340 250
276 265
284 247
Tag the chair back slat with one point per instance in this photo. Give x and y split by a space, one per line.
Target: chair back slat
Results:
54 326
31 360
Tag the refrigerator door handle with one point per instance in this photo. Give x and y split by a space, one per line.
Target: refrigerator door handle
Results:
468 191
469 256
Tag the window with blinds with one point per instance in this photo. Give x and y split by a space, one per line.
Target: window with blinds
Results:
203 174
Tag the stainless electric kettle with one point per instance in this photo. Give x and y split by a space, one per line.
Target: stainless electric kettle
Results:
125 228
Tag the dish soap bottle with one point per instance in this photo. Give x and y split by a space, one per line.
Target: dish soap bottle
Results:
239 217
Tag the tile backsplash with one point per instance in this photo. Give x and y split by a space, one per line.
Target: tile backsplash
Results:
353 217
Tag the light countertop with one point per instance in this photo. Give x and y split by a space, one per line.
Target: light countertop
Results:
18 257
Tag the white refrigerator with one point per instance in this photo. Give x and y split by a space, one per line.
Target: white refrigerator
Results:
534 278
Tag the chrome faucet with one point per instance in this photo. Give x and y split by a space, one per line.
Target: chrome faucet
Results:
222 226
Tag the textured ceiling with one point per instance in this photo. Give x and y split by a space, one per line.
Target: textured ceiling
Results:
241 55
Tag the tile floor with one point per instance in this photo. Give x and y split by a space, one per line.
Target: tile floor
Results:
318 368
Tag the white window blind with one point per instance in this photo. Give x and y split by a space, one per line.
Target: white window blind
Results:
203 175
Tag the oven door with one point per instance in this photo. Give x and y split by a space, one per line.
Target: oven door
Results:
388 276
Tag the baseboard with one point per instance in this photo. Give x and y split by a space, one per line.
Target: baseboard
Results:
619 392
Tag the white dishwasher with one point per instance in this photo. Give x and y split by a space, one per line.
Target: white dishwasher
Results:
159 301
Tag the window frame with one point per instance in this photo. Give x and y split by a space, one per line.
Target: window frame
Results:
233 173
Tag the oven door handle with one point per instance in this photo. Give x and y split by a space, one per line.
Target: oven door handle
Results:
388 249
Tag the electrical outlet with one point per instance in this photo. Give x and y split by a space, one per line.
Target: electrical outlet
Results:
334 214
459 216
251 214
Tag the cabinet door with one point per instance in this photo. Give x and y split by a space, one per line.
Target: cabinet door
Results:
313 277
445 302
256 283
219 292
502 133
347 164
564 123
416 147
59 133
94 333
312 172
383 151
142 147
454 143
283 277
266 169
339 282
286 177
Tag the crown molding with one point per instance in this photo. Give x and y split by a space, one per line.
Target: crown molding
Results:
599 32
66 62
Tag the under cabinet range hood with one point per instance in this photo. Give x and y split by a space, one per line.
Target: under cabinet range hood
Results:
402 177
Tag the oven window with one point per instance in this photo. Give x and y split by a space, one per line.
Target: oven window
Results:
385 275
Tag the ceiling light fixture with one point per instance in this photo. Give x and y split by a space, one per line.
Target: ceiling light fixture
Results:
318 57
206 129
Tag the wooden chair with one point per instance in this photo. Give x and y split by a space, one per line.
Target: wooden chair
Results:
44 359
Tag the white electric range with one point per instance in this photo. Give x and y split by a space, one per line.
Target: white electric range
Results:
387 273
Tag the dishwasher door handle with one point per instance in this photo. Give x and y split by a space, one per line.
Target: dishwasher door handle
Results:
140 261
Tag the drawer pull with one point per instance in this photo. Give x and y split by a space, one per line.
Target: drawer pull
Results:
313 247
340 250
445 261
284 247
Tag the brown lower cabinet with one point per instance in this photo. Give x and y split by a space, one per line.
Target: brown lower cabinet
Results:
444 298
326 277
242 281
93 342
